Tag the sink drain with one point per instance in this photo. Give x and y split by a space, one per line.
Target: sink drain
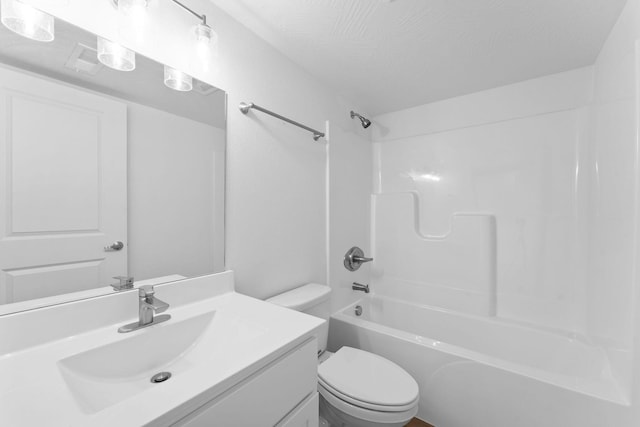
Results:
160 377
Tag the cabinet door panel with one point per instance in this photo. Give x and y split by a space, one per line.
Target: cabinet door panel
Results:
305 415
267 397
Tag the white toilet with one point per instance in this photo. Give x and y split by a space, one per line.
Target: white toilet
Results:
357 388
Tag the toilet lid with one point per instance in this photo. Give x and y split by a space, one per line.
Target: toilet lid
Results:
368 378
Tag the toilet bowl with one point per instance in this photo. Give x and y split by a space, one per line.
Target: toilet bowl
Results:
357 388
362 389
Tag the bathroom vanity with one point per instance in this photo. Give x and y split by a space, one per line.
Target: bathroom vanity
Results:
151 164
67 365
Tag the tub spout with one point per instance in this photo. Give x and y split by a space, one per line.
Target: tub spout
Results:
360 287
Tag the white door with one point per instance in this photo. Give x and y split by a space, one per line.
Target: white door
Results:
63 188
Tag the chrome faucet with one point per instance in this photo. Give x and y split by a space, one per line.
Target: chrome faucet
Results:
354 258
148 306
126 282
360 287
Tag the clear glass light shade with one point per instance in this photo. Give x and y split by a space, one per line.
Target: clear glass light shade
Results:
132 19
133 14
177 80
116 56
132 6
205 34
26 20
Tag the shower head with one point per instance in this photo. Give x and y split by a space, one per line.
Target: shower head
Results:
365 122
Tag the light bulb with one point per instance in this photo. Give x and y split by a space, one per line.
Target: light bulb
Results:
132 19
132 7
205 34
205 39
27 21
116 56
177 80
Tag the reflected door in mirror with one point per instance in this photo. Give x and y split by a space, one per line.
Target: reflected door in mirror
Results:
63 188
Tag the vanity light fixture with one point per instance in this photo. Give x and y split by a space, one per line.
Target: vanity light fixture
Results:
27 21
132 7
116 56
204 33
177 80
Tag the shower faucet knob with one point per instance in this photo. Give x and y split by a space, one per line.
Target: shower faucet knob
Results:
354 258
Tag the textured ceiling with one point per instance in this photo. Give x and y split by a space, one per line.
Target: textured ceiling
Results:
388 55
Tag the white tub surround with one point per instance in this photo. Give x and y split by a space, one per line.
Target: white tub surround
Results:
454 269
489 192
73 368
481 363
555 160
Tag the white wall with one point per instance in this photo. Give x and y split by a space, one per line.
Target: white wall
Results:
513 152
277 203
349 210
175 194
613 288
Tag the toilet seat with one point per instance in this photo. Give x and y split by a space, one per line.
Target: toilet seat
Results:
367 381
364 414
322 386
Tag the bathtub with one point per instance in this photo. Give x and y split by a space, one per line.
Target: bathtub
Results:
476 371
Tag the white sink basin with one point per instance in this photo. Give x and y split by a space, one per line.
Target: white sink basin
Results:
103 376
67 373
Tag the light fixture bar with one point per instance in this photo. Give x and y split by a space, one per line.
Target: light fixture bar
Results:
202 17
204 33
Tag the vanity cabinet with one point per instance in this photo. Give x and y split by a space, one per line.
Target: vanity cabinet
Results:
305 414
283 394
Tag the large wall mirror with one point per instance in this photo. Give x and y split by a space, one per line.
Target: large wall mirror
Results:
103 173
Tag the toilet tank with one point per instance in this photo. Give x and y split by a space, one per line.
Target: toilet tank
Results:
313 299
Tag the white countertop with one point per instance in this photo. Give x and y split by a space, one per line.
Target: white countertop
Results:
89 293
246 335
